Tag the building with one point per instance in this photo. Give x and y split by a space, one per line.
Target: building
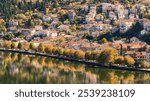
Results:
46 18
38 28
125 25
13 23
27 32
106 6
71 15
140 56
112 15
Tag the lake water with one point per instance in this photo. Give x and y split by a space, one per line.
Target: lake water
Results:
29 69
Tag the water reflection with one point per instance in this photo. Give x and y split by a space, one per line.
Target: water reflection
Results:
20 68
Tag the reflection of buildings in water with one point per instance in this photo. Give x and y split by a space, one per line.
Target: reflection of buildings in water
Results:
90 78
70 76
13 70
1 62
62 72
36 64
52 72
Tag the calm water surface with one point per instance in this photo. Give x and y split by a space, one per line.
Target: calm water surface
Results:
19 68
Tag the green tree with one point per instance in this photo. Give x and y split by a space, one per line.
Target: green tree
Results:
126 2
88 55
95 55
20 46
3 29
8 36
32 46
30 23
13 45
41 47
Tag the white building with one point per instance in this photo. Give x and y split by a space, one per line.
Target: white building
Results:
46 18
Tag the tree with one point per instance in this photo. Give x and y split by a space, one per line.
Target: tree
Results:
104 40
107 56
32 46
2 22
67 52
20 46
7 44
119 60
145 64
61 39
79 54
41 47
147 15
129 60
72 52
88 55
8 36
55 51
48 48
2 28
60 50
46 11
21 16
74 28
126 1
30 23
95 55
13 45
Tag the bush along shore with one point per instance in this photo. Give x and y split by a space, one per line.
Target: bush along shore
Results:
108 58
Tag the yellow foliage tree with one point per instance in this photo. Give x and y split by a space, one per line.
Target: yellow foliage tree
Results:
145 64
129 60
108 55
80 54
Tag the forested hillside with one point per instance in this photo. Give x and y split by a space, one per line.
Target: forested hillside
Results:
8 8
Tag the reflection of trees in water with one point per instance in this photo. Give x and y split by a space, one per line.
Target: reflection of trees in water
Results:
13 56
20 68
41 60
21 57
7 57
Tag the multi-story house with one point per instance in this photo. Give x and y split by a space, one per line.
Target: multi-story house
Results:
140 56
27 32
112 15
106 6
71 15
98 27
46 18
37 28
125 25
146 25
13 23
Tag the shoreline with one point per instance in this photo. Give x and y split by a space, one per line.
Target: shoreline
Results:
77 60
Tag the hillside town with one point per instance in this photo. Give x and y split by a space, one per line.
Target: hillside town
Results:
83 25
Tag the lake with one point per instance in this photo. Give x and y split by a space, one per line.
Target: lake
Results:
30 69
